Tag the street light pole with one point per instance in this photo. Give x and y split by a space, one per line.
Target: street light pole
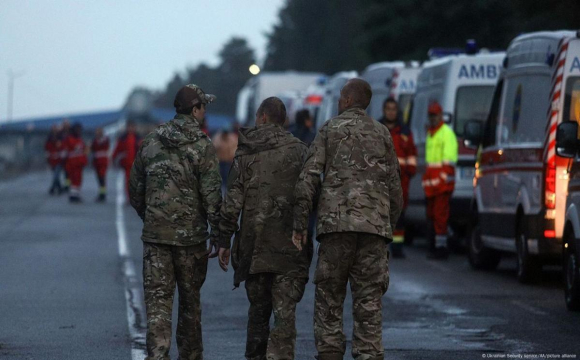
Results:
11 77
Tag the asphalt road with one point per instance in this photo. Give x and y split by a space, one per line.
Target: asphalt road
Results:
65 290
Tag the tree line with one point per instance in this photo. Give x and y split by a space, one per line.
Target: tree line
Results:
331 36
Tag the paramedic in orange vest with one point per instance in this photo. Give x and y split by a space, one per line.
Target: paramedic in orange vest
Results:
439 178
125 151
76 160
407 155
100 151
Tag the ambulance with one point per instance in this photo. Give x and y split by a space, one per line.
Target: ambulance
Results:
403 87
329 107
463 84
268 84
380 77
568 146
521 184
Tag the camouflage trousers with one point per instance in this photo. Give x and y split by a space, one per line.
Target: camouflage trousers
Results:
164 266
362 260
269 292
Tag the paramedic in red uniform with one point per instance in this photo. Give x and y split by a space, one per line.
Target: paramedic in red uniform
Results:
54 149
439 178
125 151
407 155
100 151
63 135
76 160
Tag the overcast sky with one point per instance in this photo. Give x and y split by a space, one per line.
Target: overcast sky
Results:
79 56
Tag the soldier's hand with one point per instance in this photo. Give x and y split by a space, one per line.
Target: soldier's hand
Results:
224 258
299 238
213 249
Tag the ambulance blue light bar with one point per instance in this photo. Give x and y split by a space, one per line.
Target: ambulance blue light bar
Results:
436 53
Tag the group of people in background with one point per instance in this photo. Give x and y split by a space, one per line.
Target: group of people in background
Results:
68 154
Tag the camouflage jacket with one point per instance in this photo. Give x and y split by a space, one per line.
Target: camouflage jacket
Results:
361 187
175 184
261 186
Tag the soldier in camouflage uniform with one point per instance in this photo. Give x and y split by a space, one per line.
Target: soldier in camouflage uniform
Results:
261 186
175 188
359 203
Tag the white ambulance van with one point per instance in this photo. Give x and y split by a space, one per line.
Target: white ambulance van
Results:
520 183
268 84
568 146
403 88
329 107
380 78
463 85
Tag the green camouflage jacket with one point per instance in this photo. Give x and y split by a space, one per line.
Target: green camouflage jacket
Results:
361 188
175 184
261 186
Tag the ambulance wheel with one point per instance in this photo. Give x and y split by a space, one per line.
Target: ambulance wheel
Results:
528 266
480 257
572 275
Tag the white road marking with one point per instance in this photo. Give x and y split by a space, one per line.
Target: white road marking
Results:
133 296
529 308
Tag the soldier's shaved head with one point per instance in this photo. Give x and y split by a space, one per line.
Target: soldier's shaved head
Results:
360 91
355 93
274 109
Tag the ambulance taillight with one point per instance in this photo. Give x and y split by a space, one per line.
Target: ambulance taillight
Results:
550 185
314 99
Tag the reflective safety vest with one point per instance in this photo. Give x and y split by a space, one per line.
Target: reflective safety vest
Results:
407 156
100 150
126 149
76 152
440 159
54 149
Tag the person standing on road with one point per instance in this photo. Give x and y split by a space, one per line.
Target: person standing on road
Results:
439 178
100 151
54 149
407 156
175 188
76 160
261 186
126 149
65 132
359 203
225 142
304 127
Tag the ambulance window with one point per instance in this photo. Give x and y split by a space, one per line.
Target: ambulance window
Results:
472 103
375 109
572 102
525 109
419 117
405 106
491 123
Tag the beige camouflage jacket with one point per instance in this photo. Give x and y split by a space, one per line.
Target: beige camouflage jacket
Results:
361 188
261 187
175 184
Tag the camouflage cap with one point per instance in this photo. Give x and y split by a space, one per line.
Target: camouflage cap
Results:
191 95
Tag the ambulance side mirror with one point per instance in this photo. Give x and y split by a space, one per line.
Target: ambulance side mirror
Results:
447 118
567 139
472 134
